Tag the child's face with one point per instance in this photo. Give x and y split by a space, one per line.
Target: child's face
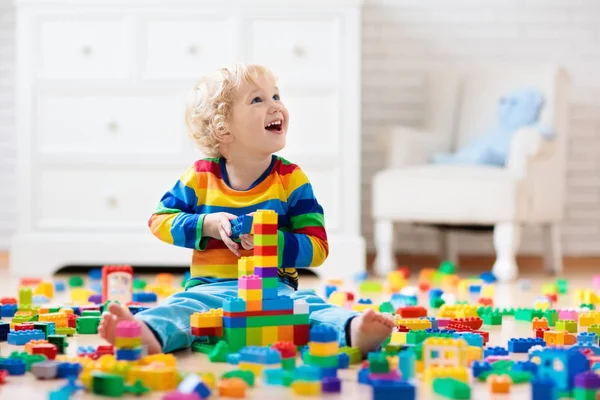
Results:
259 120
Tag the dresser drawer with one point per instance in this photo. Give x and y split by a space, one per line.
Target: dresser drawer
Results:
302 50
121 121
100 199
187 47
83 47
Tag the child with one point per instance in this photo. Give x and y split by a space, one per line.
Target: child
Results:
236 117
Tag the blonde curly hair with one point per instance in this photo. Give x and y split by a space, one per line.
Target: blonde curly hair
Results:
209 105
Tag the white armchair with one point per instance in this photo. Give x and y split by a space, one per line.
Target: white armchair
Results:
529 190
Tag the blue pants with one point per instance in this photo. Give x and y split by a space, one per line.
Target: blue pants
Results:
170 320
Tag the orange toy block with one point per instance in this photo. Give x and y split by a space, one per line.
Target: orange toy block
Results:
499 383
232 387
254 305
286 333
539 323
570 339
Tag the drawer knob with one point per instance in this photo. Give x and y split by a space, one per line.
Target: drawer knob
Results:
113 126
112 202
86 50
193 50
298 51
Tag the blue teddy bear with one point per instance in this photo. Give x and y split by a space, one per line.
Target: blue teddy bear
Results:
517 109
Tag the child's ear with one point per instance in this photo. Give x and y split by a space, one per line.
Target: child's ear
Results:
226 137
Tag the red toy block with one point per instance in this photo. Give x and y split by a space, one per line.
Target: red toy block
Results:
472 322
301 334
24 326
72 320
485 335
539 332
207 331
8 300
30 281
261 313
485 301
349 296
553 297
105 349
424 286
402 328
266 251
3 375
48 349
286 349
265 229
117 283
404 271
411 312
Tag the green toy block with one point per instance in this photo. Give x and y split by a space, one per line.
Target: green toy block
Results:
87 325
551 316
112 385
265 240
25 296
288 364
416 336
392 349
66 331
200 346
447 267
378 363
270 283
370 287
566 325
588 306
584 394
492 318
253 336
527 314
139 284
436 302
246 376
49 328
481 311
318 361
505 311
353 354
17 319
91 313
220 352
277 320
76 282
562 285
60 341
451 388
235 338
387 307
28 359
594 328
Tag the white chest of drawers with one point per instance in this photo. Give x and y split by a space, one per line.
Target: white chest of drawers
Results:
100 100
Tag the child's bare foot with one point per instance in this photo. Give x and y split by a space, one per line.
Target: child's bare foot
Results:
369 330
116 313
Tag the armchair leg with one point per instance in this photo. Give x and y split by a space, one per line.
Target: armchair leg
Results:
385 261
448 249
553 261
506 241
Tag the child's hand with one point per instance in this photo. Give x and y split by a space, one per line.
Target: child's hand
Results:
218 226
247 241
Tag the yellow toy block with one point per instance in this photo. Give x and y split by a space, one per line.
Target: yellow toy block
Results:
450 352
363 307
254 336
396 281
337 298
66 310
323 349
586 319
398 338
413 323
474 353
488 291
269 335
80 295
457 311
542 304
256 369
266 217
553 338
458 373
306 388
245 266
266 261
167 360
128 343
59 319
159 379
250 294
45 288
212 318
419 366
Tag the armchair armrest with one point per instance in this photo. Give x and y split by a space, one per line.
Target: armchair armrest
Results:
404 146
527 147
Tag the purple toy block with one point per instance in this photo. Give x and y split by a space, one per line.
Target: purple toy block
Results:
331 385
266 272
390 376
249 282
587 380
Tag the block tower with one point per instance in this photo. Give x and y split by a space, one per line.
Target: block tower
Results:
258 316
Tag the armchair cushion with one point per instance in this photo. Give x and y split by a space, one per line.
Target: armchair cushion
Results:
517 109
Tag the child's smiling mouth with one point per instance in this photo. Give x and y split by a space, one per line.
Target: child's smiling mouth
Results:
275 126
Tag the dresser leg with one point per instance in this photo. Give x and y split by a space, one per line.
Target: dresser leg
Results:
385 261
506 241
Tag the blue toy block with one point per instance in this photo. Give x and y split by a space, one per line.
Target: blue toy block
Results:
525 366
495 351
96 286
128 354
562 365
406 363
234 322
60 394
278 303
386 390
59 286
4 329
543 388
260 355
360 277
241 225
522 345
434 322
488 277
479 367
274 376
343 360
66 369
8 310
330 289
435 293
587 338
328 372
19 338
472 339
323 334
192 383
14 366
233 358
86 350
365 301
234 304
39 299
144 297
269 293
363 376
136 309
474 289
307 373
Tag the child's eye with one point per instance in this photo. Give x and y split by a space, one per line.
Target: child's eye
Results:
256 100
276 97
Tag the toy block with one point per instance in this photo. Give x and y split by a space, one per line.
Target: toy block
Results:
451 388
250 295
254 336
472 322
499 383
232 387
265 217
270 283
471 338
586 319
265 229
286 333
235 337
301 334
59 319
234 305
213 318
234 322
414 324
323 334
266 251
305 388
398 338
242 225
522 345
555 338
255 305
323 349
458 373
279 304
250 282
566 325
594 328
411 312
269 335
87 325
129 343
539 323
266 272
245 266
128 329
301 307
24 326
47 349
266 240
25 296
269 293
8 310
587 338
19 338
212 331
266 261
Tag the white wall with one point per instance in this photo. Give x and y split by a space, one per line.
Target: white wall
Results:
410 33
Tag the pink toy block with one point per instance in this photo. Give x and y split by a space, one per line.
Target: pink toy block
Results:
390 376
250 282
568 314
128 329
493 359
596 282
443 322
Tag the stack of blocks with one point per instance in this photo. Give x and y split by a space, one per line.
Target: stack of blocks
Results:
258 316
323 350
128 341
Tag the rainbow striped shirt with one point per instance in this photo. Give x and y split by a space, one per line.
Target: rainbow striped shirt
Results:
204 189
